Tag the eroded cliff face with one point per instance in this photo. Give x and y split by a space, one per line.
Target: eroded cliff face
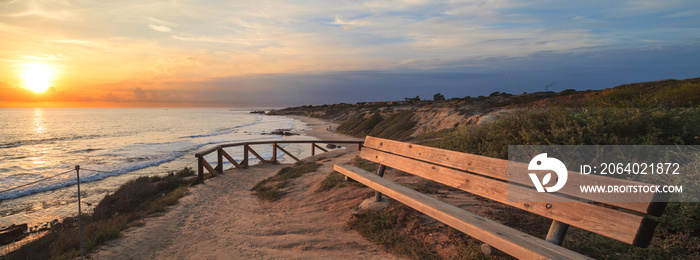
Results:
431 118
426 117
436 117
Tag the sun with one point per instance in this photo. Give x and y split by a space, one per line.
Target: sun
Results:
37 77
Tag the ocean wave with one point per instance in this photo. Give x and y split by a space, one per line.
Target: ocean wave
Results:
213 133
87 150
86 175
45 140
224 131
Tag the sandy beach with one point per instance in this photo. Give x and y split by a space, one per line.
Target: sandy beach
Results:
221 219
323 129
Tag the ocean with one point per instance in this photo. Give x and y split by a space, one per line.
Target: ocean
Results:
112 146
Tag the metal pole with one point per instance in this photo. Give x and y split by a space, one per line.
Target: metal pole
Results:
80 221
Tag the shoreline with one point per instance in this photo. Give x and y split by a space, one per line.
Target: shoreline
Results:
322 129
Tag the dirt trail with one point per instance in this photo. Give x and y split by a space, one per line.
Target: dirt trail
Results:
221 219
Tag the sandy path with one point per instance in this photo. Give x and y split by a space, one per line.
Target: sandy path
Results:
222 220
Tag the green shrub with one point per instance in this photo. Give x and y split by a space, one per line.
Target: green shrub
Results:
667 93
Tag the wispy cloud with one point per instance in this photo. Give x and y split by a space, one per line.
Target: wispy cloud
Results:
160 28
348 24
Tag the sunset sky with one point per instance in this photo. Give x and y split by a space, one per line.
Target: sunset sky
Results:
283 53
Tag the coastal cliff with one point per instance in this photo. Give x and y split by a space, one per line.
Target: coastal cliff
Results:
413 118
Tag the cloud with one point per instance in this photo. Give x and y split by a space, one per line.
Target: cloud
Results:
54 10
140 94
163 22
106 43
206 39
350 23
160 28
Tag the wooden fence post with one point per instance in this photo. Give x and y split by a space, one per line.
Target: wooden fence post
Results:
200 169
245 156
313 149
220 158
274 153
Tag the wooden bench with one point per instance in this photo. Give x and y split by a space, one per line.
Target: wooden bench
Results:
487 177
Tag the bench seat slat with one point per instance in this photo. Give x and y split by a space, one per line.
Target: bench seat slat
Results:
508 240
498 168
622 226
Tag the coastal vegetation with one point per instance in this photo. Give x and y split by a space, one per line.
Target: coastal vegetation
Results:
335 179
397 126
574 126
126 207
677 234
271 189
389 227
652 113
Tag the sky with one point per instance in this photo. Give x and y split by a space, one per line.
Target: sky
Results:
136 53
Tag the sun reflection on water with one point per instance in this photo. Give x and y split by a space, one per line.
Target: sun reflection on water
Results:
39 121
39 150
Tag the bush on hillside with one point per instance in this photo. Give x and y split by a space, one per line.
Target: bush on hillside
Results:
559 126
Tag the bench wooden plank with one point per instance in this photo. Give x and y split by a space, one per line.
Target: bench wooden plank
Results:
622 226
506 239
498 168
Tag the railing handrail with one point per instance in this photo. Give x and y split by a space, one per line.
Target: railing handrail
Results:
221 154
213 149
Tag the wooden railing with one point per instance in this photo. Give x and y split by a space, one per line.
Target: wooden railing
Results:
221 154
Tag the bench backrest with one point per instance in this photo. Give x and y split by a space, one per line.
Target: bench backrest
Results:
488 177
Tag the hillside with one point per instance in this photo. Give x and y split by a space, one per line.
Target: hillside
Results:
650 113
405 120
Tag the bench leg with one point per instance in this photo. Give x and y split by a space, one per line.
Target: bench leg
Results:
492 251
380 172
556 233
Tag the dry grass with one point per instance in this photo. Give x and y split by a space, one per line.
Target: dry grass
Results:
270 189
